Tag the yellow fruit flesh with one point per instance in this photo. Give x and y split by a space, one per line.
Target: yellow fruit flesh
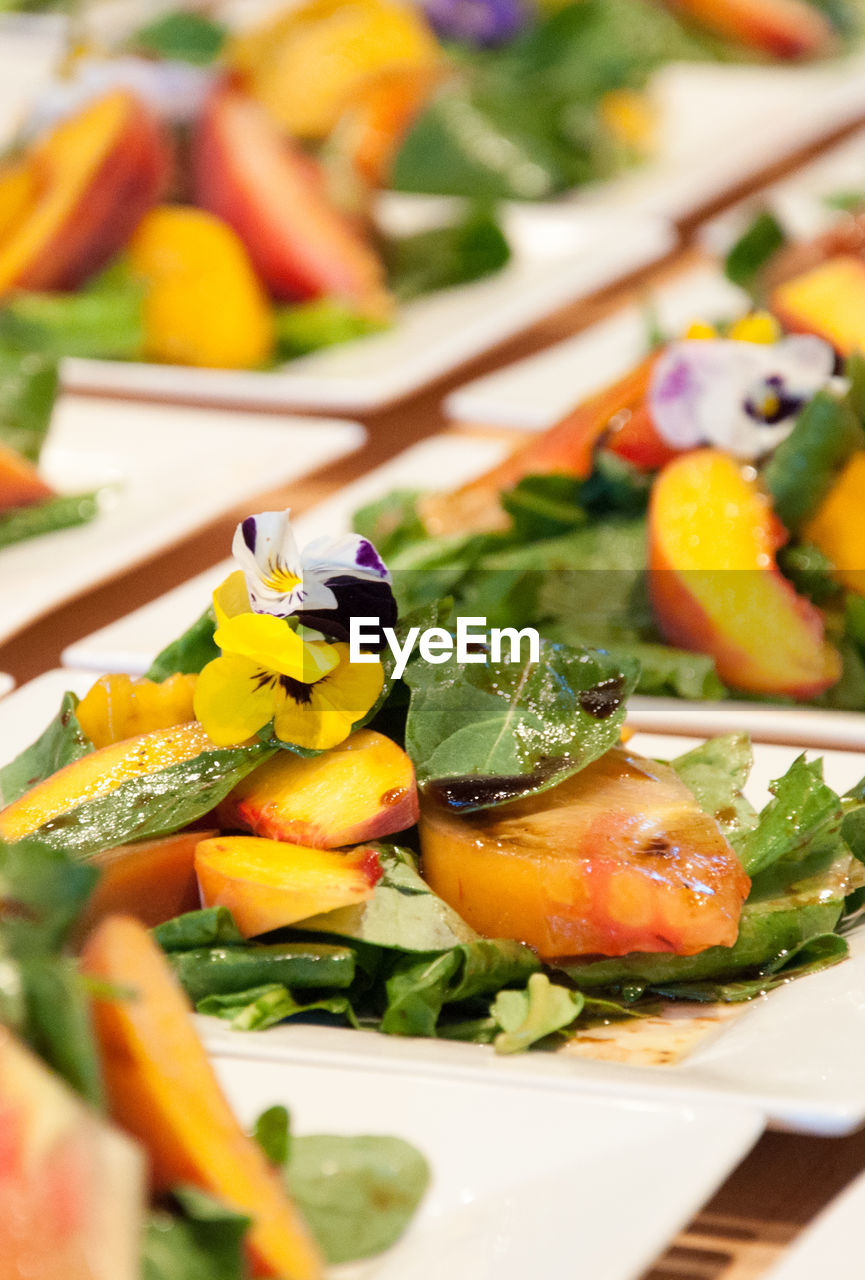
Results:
838 528
828 300
120 706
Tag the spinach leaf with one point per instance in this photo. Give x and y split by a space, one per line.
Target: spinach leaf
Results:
716 773
209 927
272 1132
810 571
61 743
358 1194
420 986
265 1006
403 913
28 388
152 804
762 239
182 36
49 515
544 506
818 953
203 1240
804 467
530 1015
103 321
190 652
446 256
490 732
212 971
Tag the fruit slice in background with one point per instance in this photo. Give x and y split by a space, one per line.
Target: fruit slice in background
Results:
618 858
162 1088
838 528
274 198
204 304
829 300
363 789
267 884
781 28
20 483
715 586
71 1186
78 194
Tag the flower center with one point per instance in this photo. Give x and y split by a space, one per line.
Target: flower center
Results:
279 578
770 401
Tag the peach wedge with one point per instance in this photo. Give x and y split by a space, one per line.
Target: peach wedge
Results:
781 28
96 775
363 789
267 884
828 299
162 1088
618 858
715 586
20 483
92 178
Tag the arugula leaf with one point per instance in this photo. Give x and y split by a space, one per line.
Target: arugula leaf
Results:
204 1240
357 1194
530 1015
440 258
487 733
762 239
28 389
182 36
152 804
49 515
802 807
420 986
190 652
62 742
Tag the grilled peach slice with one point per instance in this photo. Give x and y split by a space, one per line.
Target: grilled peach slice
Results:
20 483
121 706
274 198
90 181
617 858
836 526
781 28
827 299
267 884
98 774
71 1186
162 1088
715 586
363 789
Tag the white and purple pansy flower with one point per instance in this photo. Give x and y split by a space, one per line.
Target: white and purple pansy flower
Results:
324 585
742 397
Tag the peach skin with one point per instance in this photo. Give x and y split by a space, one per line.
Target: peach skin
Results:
618 858
162 1088
267 884
98 774
364 789
829 300
273 195
20 483
716 589
94 177
781 28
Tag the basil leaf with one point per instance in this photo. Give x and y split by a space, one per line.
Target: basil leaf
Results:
358 1194
152 804
61 743
487 733
190 652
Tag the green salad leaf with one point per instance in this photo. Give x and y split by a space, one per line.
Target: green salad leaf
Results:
804 467
442 257
49 515
716 773
325 322
488 732
218 971
29 383
182 36
190 652
58 745
530 1015
201 1240
758 243
802 807
103 320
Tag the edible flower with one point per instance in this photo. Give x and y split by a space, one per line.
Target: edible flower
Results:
272 665
741 396
326 584
484 23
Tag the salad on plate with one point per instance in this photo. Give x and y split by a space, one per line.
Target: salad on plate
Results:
328 809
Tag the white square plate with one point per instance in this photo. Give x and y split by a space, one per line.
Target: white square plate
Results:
795 1055
162 474
522 1183
131 643
535 393
560 254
